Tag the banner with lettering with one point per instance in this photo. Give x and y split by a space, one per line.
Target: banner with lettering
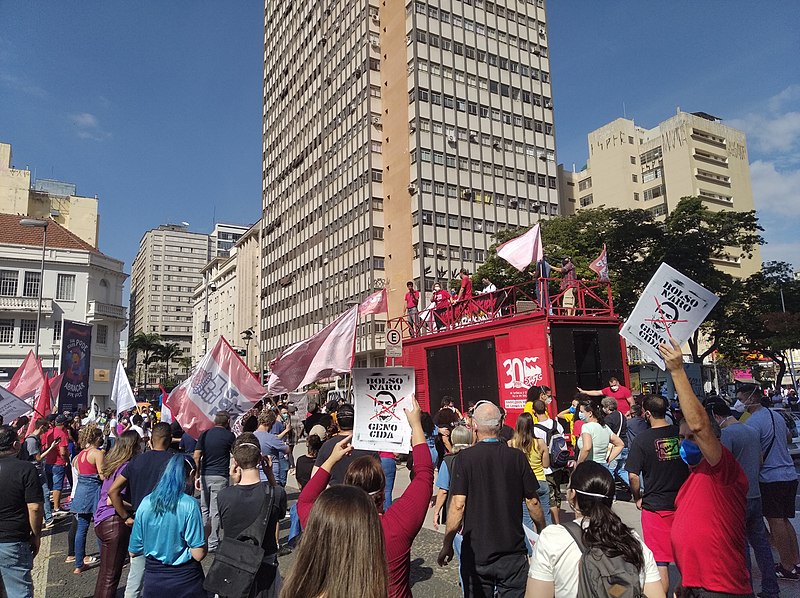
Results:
672 306
76 354
380 397
516 372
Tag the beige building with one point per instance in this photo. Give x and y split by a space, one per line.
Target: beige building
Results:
48 199
228 298
637 168
397 139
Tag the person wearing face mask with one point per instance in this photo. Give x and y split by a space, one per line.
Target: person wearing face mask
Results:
545 429
596 436
536 393
708 533
654 461
441 301
570 415
616 391
777 479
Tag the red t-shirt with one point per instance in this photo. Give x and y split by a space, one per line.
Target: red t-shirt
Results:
441 298
466 287
54 457
708 532
621 394
412 299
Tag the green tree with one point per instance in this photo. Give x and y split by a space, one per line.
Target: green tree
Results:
146 346
185 363
169 352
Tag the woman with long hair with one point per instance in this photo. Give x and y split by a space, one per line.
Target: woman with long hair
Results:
89 466
596 437
344 521
168 531
556 556
535 450
402 521
109 527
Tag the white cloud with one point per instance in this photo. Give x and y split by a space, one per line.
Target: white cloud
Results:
775 130
775 191
88 127
21 85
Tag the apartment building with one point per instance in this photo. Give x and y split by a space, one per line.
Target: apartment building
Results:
397 139
46 198
688 154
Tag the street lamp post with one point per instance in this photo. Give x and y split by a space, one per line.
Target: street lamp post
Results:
36 223
791 358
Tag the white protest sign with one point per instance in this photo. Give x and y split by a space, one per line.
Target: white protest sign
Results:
381 395
672 306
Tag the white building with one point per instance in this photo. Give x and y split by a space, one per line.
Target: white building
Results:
80 284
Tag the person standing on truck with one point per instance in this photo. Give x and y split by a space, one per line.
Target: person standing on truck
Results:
616 391
412 308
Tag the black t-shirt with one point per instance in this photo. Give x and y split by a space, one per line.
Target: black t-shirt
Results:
506 433
446 418
20 483
636 425
312 420
144 471
338 471
216 445
618 424
302 469
240 505
655 455
496 479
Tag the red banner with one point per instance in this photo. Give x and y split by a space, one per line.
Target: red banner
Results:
517 371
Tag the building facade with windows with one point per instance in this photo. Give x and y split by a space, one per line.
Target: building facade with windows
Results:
689 154
224 237
80 284
397 139
46 198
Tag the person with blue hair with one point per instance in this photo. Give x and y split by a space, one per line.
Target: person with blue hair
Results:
168 531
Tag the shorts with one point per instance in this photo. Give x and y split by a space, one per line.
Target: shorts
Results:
555 490
59 473
657 532
777 499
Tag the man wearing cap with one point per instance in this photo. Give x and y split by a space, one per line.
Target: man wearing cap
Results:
20 516
345 417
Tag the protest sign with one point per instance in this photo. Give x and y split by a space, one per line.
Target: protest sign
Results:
381 394
672 306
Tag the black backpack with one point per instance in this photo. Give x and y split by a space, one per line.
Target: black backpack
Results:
601 576
556 446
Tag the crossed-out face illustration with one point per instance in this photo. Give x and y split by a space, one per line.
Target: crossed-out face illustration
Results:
385 404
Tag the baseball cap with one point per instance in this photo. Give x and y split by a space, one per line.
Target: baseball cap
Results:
318 430
60 420
345 417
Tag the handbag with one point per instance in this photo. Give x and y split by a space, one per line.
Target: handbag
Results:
238 559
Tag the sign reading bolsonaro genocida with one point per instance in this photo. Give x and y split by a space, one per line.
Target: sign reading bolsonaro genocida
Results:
76 354
672 306
381 395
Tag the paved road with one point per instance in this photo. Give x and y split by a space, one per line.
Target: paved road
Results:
54 578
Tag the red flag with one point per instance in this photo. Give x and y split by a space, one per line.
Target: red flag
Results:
166 414
600 265
374 304
27 381
55 389
42 408
330 351
221 382
523 251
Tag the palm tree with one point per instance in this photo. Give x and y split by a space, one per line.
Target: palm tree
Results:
169 352
185 362
148 346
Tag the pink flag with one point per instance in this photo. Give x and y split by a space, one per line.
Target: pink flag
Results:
330 351
600 265
524 250
55 389
221 382
374 304
166 414
42 408
27 381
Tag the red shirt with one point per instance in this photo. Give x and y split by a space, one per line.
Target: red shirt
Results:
412 299
466 287
621 394
441 298
55 457
401 523
708 532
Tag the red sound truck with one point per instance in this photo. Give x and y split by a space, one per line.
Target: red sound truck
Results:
495 346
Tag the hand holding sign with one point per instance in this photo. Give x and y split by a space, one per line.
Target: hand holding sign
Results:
414 415
381 397
673 356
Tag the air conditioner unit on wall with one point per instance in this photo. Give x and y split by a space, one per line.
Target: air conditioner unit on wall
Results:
412 189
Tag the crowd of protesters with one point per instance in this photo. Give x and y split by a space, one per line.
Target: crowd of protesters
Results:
160 501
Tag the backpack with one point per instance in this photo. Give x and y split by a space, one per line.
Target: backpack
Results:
449 461
556 445
601 576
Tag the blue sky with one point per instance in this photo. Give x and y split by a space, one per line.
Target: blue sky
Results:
156 106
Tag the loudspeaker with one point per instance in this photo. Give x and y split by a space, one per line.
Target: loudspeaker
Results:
443 377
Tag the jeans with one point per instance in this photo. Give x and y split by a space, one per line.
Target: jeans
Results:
544 500
135 583
617 467
413 318
16 563
113 535
210 485
505 577
294 525
389 471
457 541
84 520
58 473
757 538
48 509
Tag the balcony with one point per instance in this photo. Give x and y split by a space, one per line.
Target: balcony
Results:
106 311
25 304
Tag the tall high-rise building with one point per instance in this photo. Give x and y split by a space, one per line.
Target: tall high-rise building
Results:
397 139
689 154
46 198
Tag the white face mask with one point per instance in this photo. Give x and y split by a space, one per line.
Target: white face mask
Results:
739 406
548 400
615 388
